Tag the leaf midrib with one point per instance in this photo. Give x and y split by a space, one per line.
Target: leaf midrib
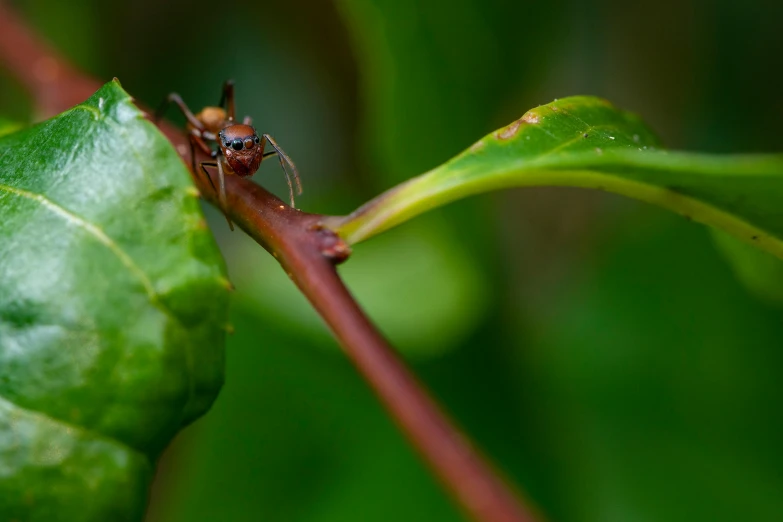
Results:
95 232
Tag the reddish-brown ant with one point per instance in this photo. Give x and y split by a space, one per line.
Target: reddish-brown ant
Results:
239 149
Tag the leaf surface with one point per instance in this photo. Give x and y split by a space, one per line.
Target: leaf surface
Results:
113 304
584 141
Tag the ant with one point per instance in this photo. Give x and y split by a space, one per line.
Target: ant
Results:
239 149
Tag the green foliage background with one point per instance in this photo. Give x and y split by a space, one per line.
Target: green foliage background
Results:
600 350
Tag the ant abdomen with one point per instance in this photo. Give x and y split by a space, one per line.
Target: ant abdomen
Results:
212 118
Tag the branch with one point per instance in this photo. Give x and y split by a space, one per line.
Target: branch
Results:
308 253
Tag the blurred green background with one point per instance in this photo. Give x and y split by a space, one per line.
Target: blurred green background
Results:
600 350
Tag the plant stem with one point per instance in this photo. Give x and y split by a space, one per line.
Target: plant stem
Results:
308 253
295 239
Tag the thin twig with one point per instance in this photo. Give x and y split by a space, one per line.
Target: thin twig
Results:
308 254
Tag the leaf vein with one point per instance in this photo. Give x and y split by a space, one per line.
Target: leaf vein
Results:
69 426
91 229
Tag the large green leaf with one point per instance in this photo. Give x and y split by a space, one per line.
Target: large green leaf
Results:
585 142
113 302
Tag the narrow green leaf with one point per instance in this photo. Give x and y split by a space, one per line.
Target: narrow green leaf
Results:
585 142
113 303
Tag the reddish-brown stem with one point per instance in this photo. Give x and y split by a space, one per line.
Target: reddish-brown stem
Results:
295 240
308 254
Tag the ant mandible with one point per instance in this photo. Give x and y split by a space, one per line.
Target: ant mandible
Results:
239 149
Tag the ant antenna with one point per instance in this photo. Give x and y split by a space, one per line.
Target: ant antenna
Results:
285 160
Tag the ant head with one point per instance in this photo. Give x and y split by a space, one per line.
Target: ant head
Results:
240 145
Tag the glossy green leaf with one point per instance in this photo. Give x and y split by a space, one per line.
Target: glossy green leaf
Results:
585 142
113 302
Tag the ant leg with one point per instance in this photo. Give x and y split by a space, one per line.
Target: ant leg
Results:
227 99
248 120
222 195
284 160
222 182
176 99
197 141
204 164
197 138
192 157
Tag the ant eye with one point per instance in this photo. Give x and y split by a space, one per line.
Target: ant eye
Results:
237 144
249 143
255 138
